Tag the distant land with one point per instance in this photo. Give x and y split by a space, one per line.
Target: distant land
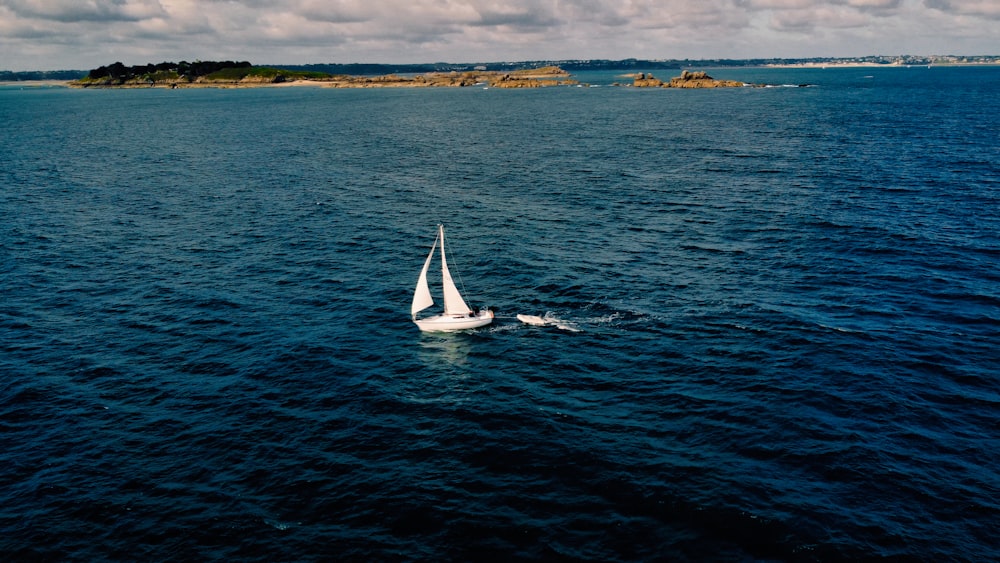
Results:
570 65
230 74
36 75
645 64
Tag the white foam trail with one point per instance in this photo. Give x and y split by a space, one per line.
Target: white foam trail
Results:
548 319
531 320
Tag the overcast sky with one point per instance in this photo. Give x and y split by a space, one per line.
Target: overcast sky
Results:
85 34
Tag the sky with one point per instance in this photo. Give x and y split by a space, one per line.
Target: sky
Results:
86 34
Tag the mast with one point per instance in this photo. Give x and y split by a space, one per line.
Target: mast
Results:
453 302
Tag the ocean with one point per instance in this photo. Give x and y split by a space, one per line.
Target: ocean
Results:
774 321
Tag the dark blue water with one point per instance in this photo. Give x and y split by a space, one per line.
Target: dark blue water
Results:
786 303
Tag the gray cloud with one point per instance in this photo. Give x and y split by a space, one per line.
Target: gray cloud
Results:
984 8
48 34
85 10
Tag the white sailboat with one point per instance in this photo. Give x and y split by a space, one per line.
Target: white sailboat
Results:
457 315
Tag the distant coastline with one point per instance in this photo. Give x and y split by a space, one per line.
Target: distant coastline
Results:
495 74
571 65
876 65
36 83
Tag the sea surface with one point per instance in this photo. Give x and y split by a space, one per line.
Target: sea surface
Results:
774 322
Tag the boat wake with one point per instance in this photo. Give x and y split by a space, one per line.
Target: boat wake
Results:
548 320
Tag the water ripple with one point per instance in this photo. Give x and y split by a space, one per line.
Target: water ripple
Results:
773 323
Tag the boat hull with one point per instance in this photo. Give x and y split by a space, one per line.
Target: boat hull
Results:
451 323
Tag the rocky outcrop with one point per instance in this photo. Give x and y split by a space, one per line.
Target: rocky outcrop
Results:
687 79
514 80
701 80
532 78
644 80
529 78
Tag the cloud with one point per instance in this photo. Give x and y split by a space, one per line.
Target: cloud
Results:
985 8
877 5
85 10
827 17
493 15
40 34
345 11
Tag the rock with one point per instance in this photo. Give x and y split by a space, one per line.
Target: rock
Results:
644 80
697 79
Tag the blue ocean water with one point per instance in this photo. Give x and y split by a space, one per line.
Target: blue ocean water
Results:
780 314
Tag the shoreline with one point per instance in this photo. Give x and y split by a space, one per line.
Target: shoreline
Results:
447 80
873 65
35 83
527 78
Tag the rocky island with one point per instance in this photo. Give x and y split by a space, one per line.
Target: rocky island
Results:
527 78
229 74
687 79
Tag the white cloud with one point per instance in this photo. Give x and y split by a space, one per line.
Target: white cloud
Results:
47 34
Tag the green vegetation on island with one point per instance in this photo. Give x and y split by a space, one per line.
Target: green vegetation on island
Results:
182 73
204 72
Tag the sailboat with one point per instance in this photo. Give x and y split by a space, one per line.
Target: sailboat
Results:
457 315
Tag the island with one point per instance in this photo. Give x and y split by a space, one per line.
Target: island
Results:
229 74
687 79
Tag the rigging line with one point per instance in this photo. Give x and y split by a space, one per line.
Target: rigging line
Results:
458 273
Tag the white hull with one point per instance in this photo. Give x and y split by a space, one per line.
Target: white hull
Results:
449 323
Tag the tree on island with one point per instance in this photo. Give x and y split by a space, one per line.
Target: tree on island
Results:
118 72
